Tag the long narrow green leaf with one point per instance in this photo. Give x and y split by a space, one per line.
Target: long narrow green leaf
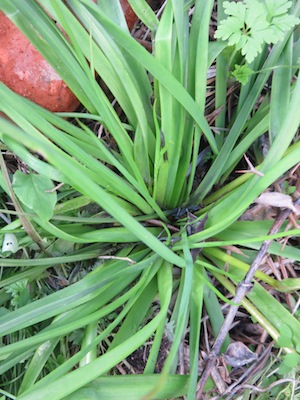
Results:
199 60
76 379
183 306
195 328
72 361
228 210
37 363
170 49
128 77
164 282
64 60
131 387
155 68
217 168
61 301
139 310
86 186
280 95
270 312
101 172
145 13
82 315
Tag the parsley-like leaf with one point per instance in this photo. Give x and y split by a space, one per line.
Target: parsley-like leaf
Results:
252 23
242 73
277 7
231 28
20 294
281 24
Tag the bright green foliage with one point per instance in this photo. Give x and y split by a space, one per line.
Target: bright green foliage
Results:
242 73
278 17
253 23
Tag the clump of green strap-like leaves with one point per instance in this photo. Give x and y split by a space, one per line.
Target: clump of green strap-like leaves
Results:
147 174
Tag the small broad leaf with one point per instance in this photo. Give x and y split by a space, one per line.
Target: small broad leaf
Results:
285 331
283 369
284 341
33 191
291 360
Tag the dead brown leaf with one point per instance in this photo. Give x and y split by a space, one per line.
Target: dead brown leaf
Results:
276 199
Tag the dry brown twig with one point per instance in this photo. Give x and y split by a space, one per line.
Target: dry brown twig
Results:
251 169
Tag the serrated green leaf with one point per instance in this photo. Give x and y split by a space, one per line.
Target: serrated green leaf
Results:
229 28
277 7
242 73
33 191
256 16
236 9
252 23
19 293
283 23
251 49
